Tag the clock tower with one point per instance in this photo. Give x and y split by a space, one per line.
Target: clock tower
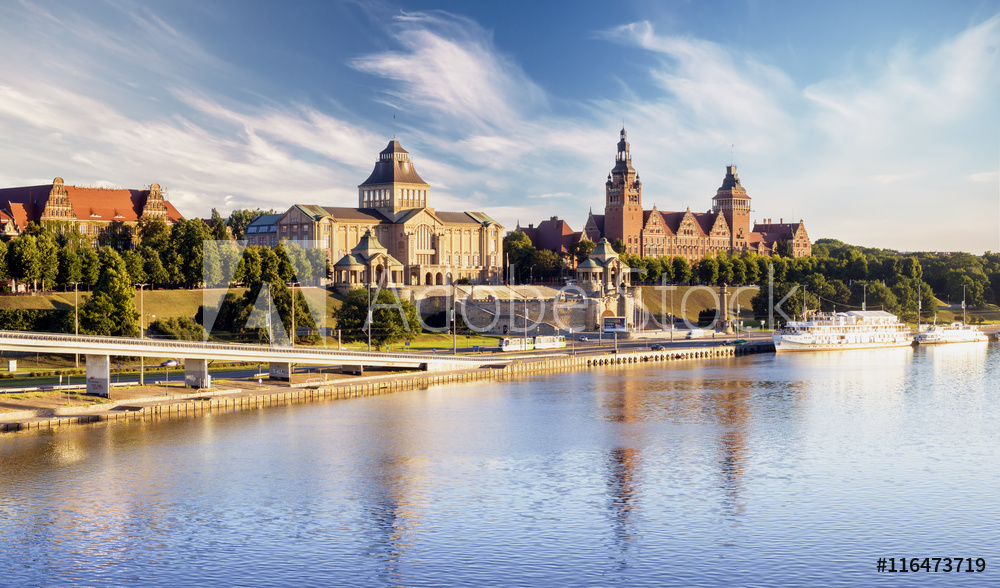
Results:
623 200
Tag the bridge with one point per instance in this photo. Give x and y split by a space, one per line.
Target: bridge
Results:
98 351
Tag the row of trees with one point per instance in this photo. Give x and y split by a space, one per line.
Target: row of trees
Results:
48 256
837 276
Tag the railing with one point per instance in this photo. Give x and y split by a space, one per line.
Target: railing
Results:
201 345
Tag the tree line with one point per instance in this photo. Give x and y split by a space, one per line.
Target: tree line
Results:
54 255
837 276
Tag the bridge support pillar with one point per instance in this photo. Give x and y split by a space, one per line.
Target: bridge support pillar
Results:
357 370
279 371
99 375
196 373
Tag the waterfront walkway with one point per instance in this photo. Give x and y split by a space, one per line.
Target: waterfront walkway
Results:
150 402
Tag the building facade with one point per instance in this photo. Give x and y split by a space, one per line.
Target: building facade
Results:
90 211
433 246
692 235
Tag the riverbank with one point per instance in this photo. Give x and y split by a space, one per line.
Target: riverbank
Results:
135 407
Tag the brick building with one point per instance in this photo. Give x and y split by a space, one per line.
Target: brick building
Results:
87 210
692 235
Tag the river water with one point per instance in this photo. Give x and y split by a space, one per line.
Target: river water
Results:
763 470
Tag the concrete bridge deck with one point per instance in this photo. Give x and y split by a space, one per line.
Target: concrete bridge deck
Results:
196 353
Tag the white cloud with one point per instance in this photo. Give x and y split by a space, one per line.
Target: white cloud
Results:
855 155
450 68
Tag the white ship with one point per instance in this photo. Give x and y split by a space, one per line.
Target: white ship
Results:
854 329
953 333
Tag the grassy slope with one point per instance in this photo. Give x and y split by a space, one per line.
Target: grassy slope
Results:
657 300
162 303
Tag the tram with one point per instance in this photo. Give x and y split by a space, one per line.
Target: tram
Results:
532 343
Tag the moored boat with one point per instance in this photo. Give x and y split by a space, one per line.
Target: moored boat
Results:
953 333
854 329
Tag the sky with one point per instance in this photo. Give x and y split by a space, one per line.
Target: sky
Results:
877 123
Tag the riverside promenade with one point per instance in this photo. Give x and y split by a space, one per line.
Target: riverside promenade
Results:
153 402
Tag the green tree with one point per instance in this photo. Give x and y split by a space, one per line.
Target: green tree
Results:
546 264
239 220
251 265
154 233
666 268
270 265
753 266
187 239
784 248
708 270
181 328
857 265
4 272
739 271
618 246
875 296
70 267
581 249
153 267
23 259
910 267
319 262
518 249
90 265
780 266
218 227
682 270
725 268
136 266
48 258
387 326
111 310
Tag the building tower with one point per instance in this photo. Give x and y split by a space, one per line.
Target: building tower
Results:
394 185
623 200
734 204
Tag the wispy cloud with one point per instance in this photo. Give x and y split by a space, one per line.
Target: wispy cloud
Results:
129 97
447 65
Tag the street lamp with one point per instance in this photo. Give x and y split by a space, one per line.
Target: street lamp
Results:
292 284
76 315
142 333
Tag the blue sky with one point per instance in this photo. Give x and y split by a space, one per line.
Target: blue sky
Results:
876 123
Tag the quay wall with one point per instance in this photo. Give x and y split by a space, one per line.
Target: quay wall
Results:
233 400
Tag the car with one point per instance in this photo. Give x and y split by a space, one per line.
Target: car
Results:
740 342
584 338
170 363
657 347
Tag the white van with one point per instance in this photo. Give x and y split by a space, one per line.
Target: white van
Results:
695 334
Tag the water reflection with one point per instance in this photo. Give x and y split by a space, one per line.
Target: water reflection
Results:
623 462
955 359
700 473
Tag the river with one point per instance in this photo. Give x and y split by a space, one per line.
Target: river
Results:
791 470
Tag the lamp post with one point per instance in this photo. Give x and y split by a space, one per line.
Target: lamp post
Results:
76 315
454 322
369 318
142 333
292 284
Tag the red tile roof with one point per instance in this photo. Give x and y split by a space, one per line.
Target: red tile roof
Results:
27 203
